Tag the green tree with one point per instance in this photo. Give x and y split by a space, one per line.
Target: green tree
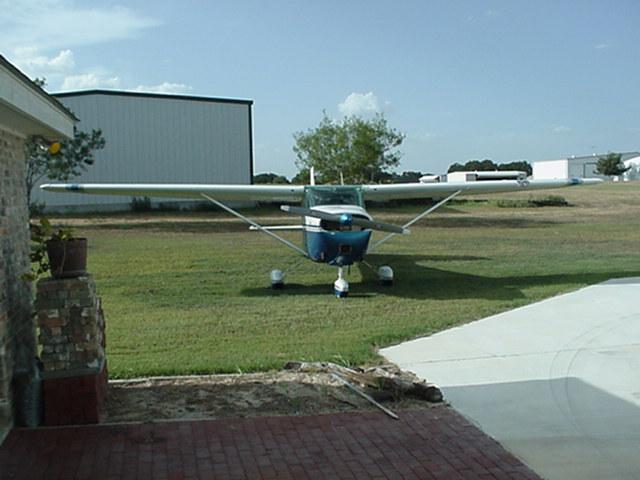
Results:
473 165
361 150
265 178
611 164
407 177
60 161
487 165
302 177
522 166
456 167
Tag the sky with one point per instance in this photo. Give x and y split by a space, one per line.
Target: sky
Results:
505 80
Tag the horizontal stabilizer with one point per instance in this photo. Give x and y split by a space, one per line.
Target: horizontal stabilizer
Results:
279 227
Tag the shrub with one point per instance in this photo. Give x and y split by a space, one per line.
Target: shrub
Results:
550 201
141 204
533 202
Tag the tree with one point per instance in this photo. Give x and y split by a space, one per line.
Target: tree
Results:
361 150
487 165
60 161
611 164
407 177
474 165
263 178
522 166
302 177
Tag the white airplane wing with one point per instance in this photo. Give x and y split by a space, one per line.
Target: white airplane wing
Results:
440 190
296 192
195 191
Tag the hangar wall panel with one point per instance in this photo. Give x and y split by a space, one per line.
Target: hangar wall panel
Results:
160 139
583 168
550 169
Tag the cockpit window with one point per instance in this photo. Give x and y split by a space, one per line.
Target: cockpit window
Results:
333 195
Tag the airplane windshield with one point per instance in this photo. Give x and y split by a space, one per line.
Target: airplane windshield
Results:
333 196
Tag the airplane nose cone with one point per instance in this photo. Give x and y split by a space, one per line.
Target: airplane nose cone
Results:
346 219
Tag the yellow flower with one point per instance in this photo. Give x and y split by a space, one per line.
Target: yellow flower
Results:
54 148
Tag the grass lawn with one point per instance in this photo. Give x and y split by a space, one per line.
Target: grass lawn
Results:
189 293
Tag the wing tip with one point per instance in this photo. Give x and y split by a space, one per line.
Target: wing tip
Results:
71 187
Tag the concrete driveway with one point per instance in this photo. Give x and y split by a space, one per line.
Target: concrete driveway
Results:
556 382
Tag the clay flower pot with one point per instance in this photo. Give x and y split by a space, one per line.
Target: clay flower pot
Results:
68 257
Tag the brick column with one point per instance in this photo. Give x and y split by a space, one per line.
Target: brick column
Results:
72 337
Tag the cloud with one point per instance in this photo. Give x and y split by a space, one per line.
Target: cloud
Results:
361 104
89 80
165 87
39 36
601 46
561 129
54 24
35 64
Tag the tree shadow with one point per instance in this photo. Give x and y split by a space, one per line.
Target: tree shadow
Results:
485 222
415 280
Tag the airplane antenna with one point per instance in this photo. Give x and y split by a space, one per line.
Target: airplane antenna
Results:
312 176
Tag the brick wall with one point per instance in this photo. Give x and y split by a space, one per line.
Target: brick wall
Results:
17 331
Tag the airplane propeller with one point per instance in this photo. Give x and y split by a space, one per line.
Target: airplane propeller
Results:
345 219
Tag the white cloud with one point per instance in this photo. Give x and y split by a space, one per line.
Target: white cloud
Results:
54 24
361 104
33 63
165 87
39 36
601 46
88 81
561 129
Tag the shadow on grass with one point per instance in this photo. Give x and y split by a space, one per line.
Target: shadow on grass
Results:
484 222
414 280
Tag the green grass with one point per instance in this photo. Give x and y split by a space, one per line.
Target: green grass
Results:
189 294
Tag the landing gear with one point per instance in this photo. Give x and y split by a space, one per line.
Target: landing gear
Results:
341 286
385 275
277 279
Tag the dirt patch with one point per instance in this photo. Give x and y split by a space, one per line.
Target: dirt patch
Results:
247 395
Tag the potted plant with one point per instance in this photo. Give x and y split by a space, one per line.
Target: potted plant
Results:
56 250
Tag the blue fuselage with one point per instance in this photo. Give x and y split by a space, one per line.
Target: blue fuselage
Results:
335 243
336 248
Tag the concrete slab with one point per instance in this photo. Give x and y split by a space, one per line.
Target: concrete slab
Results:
556 382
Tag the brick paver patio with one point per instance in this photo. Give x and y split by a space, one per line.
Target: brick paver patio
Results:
423 444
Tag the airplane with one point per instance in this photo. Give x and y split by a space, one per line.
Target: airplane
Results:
335 224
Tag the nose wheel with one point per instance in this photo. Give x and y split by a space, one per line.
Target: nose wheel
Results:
277 279
341 286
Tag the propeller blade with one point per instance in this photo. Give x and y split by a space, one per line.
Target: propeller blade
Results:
344 219
382 226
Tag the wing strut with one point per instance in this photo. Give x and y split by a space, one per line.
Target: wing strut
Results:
254 224
419 217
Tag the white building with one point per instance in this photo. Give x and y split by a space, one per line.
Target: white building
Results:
157 138
633 164
583 167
